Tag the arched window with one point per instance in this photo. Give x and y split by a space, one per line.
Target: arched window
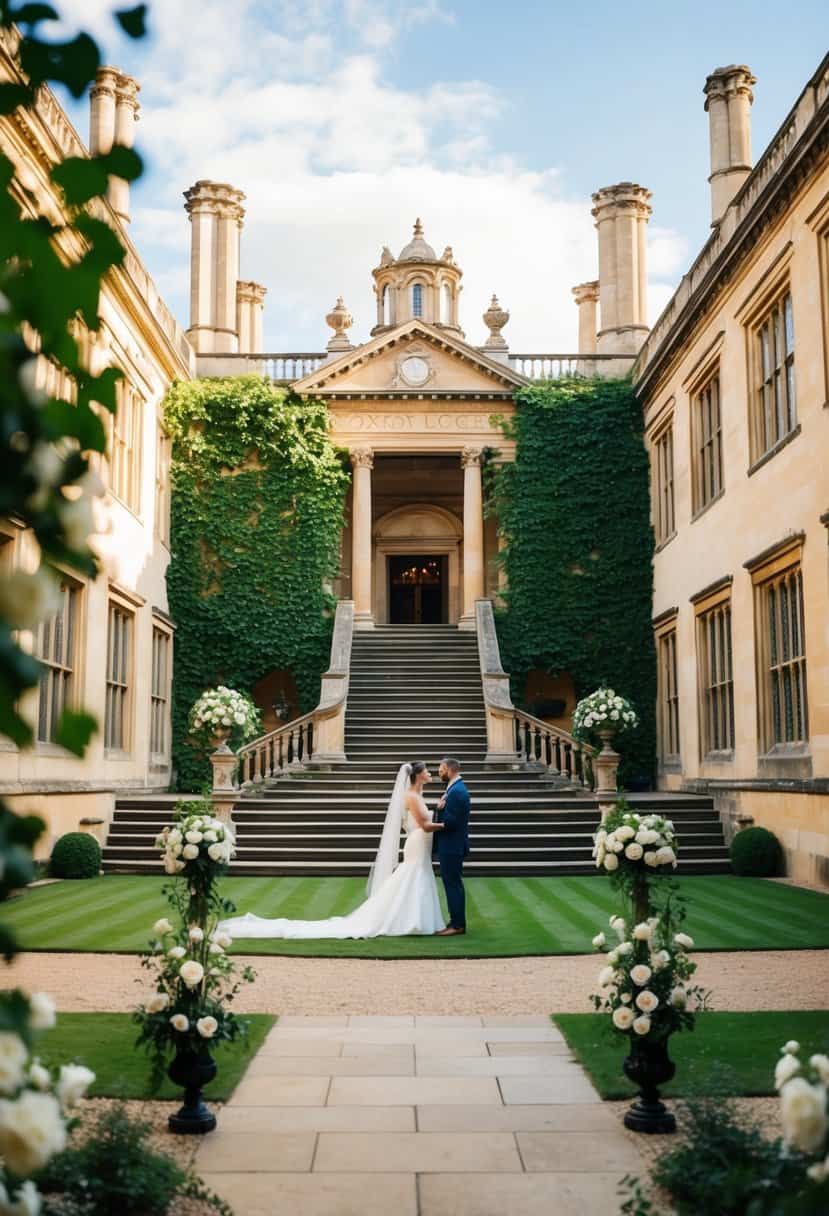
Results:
417 300
446 304
386 319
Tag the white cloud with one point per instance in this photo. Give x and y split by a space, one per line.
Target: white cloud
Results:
294 102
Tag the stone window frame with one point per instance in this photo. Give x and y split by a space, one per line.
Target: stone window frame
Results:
706 489
663 477
715 669
667 696
62 677
161 682
121 466
771 571
163 465
414 287
767 300
818 221
120 675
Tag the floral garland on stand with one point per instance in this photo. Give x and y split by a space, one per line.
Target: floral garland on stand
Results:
598 720
804 1114
631 848
222 715
195 980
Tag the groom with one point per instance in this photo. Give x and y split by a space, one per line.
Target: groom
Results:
453 843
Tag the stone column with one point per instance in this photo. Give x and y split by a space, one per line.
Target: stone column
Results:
362 460
102 111
216 215
621 213
473 535
126 116
250 306
586 296
728 99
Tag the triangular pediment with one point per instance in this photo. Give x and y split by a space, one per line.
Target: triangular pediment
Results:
411 359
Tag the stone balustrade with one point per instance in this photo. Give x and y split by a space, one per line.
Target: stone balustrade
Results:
561 367
544 746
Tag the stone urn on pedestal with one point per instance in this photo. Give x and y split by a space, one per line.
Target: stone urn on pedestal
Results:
223 763
648 1066
606 766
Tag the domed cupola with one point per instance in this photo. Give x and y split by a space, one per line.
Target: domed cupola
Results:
417 284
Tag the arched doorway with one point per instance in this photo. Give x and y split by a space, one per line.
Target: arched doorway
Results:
417 566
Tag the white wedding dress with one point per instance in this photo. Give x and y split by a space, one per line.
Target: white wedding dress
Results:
403 898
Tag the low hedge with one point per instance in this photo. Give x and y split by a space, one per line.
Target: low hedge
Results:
76 855
756 853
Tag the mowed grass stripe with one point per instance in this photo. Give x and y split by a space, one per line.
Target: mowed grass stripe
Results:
506 916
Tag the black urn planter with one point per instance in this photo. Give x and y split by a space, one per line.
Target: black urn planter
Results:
192 1070
648 1066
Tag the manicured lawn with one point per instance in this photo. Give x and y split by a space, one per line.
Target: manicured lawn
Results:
105 1042
506 916
726 1052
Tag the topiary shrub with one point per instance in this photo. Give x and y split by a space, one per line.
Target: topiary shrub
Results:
756 853
76 855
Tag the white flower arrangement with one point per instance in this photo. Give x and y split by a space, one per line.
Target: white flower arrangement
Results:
224 712
635 843
604 709
645 979
35 1105
195 840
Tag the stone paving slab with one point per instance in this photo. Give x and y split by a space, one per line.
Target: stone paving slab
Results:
322 1119
383 1065
529 1049
518 1195
413 1091
420 1152
577 1117
577 1152
246 1151
317 1194
572 1087
495 1066
258 1090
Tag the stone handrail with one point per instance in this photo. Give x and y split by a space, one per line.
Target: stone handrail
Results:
281 368
514 736
317 737
558 367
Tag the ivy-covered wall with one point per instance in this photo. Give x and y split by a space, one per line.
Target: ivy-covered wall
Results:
574 511
257 511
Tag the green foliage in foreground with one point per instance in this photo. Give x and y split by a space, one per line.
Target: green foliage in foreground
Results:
105 1042
574 515
507 916
727 1052
257 512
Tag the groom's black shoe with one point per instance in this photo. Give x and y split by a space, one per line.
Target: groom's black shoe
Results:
450 931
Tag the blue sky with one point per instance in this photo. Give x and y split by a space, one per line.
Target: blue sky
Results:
343 119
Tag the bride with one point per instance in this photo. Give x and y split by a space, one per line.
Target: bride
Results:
402 898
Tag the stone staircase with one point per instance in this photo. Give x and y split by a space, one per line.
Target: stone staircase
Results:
415 694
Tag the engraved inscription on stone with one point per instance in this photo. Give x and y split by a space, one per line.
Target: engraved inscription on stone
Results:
407 423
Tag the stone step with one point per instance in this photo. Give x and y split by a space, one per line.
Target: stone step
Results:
340 869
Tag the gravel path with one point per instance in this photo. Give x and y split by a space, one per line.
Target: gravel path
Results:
774 979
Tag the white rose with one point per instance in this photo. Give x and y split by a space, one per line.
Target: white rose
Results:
13 1057
625 832
210 837
224 940
605 977
792 1048
612 957
176 952
26 1201
207 1027
643 931
599 940
215 948
195 933
617 846
622 1018
618 926
614 714
634 851
679 997
42 1014
216 852
819 1172
785 1069
73 1083
665 856
647 1001
190 852
624 947
158 1002
179 1022
176 849
640 974
820 1063
239 719
684 941
192 973
625 998
611 862
162 926
39 1076
193 837
642 1024
660 959
31 1131
650 859
802 1114
175 835
170 864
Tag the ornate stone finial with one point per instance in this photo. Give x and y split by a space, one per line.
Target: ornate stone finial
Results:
586 293
448 256
362 458
495 318
386 257
471 457
339 319
418 227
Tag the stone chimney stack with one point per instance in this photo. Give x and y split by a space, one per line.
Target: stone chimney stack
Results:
113 113
216 215
728 99
586 296
250 307
621 213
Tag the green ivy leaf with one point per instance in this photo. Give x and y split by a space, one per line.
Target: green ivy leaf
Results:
77 421
133 21
12 96
80 178
29 14
124 162
75 730
72 63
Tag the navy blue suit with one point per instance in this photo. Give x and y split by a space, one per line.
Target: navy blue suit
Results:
453 847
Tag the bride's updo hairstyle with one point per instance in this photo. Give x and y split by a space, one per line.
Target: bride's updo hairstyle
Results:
415 769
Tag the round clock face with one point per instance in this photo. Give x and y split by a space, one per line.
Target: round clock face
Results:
415 370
